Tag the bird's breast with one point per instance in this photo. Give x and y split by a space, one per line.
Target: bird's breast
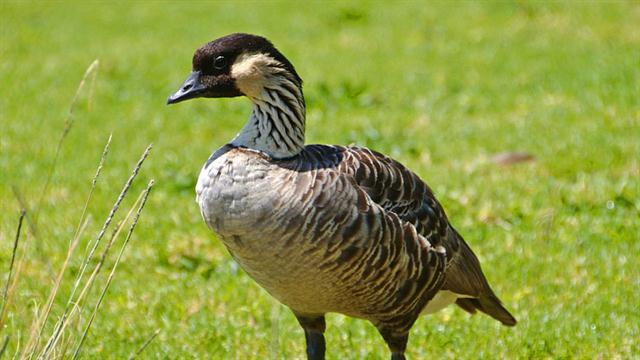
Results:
233 195
260 212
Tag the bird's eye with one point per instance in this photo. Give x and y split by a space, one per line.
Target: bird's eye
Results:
220 62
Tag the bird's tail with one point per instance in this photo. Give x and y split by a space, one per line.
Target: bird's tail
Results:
464 277
489 305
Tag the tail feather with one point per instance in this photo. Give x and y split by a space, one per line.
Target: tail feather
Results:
464 277
467 305
489 305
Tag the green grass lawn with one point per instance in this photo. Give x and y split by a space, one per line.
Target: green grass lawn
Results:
442 87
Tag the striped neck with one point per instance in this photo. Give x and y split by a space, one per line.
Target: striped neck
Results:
276 125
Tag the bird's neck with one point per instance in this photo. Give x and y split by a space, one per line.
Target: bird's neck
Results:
276 125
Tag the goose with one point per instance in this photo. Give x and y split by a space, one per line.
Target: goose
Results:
324 229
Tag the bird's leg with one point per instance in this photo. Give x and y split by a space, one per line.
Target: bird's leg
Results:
397 342
314 334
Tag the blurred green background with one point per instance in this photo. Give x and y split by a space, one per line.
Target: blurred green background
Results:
440 86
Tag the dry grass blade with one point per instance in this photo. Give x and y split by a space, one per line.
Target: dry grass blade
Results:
34 337
5 296
76 304
8 290
67 312
23 205
92 86
92 69
60 325
38 326
112 213
96 270
16 279
113 269
94 181
4 346
144 345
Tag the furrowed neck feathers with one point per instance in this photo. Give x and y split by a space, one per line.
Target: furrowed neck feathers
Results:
276 126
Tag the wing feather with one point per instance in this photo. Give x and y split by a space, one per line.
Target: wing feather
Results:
400 191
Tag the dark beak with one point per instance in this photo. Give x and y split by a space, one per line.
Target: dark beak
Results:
191 88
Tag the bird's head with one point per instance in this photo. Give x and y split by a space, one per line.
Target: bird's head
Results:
235 65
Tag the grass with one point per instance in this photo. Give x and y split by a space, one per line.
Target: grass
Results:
442 87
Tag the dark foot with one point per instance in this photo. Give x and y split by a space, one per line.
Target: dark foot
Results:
398 356
314 334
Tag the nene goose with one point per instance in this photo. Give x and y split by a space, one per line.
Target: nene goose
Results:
324 228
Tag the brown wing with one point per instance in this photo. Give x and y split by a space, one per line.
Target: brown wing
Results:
398 190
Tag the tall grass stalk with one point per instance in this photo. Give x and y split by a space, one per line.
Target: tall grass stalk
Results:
8 290
112 213
113 269
5 295
40 322
23 205
81 287
3 348
16 279
91 71
71 302
94 182
76 305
